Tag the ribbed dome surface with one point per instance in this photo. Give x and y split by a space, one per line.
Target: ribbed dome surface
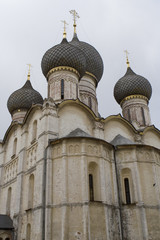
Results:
23 98
64 54
93 58
132 84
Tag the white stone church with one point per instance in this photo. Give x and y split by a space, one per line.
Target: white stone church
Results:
66 172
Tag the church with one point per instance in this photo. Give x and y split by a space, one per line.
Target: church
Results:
68 173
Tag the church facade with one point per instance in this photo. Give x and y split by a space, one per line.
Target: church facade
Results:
67 173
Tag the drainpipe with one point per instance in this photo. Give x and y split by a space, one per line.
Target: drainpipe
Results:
44 190
119 196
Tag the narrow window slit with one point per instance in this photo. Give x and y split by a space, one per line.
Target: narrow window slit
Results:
91 190
127 191
62 89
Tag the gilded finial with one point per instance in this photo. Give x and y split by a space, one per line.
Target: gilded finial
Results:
127 61
29 71
64 28
75 16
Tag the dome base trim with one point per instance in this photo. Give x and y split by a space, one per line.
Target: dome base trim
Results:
60 68
92 75
132 97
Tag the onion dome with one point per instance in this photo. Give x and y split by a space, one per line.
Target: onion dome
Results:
64 55
23 98
94 63
132 84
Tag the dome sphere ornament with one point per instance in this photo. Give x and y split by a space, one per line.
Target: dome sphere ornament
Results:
132 84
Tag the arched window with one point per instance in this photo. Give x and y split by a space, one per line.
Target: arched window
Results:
28 232
127 190
34 131
127 186
77 90
143 116
129 115
62 88
31 191
91 190
93 182
8 206
90 102
15 147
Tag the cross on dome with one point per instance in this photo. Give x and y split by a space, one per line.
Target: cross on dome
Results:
75 16
29 71
127 61
64 28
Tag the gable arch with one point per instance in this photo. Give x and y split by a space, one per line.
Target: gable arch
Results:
73 115
115 125
151 136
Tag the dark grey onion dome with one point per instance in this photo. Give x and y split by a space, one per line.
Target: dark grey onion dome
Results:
64 54
132 84
93 58
23 98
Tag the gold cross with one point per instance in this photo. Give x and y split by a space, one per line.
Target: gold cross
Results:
29 71
127 57
75 16
64 32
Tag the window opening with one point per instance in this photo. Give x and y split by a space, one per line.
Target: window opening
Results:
90 102
129 115
143 116
77 90
62 89
91 190
127 191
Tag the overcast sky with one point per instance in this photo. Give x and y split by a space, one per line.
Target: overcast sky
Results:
30 27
